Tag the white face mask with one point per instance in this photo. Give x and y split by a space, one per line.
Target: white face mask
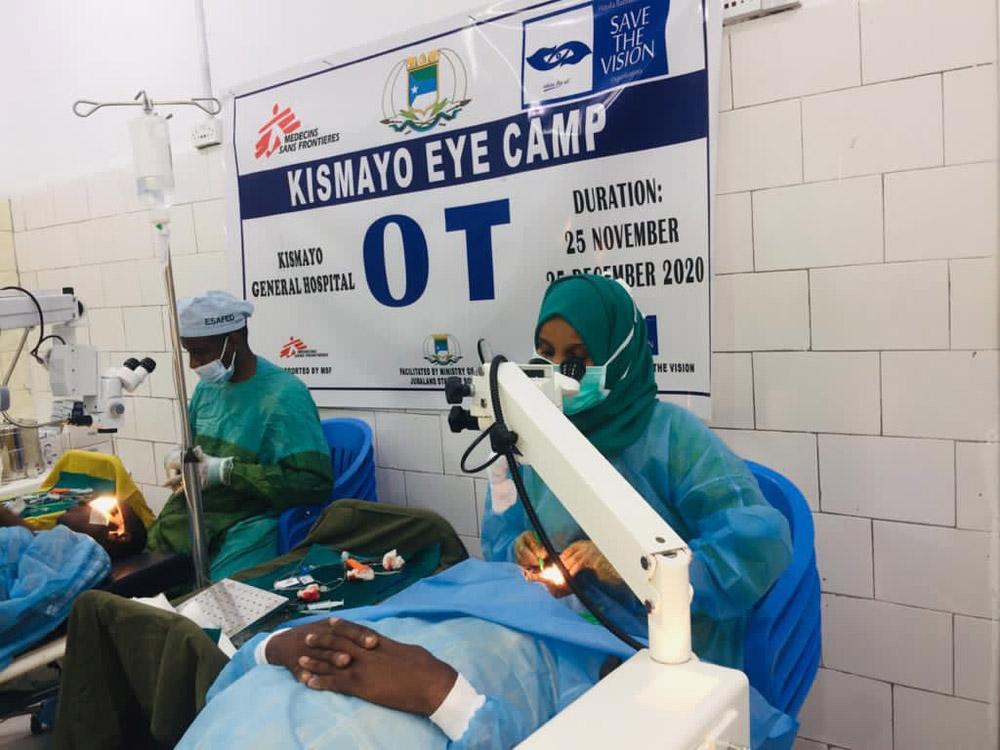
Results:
215 371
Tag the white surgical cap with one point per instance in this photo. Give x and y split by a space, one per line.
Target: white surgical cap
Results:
212 314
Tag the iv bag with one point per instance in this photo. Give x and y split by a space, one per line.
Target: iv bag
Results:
154 172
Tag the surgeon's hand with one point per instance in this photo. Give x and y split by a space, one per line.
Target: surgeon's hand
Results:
172 467
584 555
551 578
211 471
395 675
528 550
328 644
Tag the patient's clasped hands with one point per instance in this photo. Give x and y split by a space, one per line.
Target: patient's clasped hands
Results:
347 658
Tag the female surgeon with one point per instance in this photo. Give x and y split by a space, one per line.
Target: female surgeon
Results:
740 544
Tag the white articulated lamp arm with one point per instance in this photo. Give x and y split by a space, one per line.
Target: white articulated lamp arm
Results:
19 310
648 554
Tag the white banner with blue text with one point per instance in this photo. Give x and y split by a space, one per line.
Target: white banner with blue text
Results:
389 207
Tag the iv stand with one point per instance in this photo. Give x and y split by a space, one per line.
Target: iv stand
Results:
191 484
189 462
208 105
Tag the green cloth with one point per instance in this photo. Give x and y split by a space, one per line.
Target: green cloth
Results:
270 425
248 543
324 564
603 313
47 507
69 480
133 676
75 480
120 689
371 529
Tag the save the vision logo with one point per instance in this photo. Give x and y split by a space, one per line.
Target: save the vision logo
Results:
592 47
283 134
425 90
548 58
296 348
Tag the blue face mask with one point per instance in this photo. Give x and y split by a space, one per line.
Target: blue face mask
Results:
593 385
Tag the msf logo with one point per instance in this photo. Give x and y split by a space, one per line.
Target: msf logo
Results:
271 133
293 347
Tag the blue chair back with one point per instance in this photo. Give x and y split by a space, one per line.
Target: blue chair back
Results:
352 457
783 636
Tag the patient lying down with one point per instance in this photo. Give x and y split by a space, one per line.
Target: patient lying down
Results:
484 655
114 526
44 572
474 657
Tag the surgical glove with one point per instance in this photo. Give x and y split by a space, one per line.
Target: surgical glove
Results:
584 555
529 551
172 467
212 471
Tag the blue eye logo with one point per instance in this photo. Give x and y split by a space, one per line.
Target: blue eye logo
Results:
549 58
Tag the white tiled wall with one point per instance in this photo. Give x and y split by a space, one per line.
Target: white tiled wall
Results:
939 213
732 390
895 478
902 38
777 311
927 721
886 306
848 711
970 127
843 573
817 391
973 639
871 129
852 208
795 54
855 338
759 147
977 479
963 384
885 641
883 194
957 581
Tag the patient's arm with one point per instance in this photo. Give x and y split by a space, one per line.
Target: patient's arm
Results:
9 518
350 659
343 657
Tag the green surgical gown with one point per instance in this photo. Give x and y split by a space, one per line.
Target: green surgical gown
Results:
270 426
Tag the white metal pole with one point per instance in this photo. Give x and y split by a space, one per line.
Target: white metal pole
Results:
205 68
192 486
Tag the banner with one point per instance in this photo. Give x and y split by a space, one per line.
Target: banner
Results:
391 207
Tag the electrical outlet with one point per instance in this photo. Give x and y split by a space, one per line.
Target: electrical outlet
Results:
207 133
734 11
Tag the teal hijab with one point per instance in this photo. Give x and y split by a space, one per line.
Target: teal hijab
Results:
603 313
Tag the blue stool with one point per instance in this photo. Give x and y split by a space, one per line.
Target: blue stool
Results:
352 458
783 636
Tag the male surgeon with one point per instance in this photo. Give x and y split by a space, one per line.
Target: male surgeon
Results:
258 439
